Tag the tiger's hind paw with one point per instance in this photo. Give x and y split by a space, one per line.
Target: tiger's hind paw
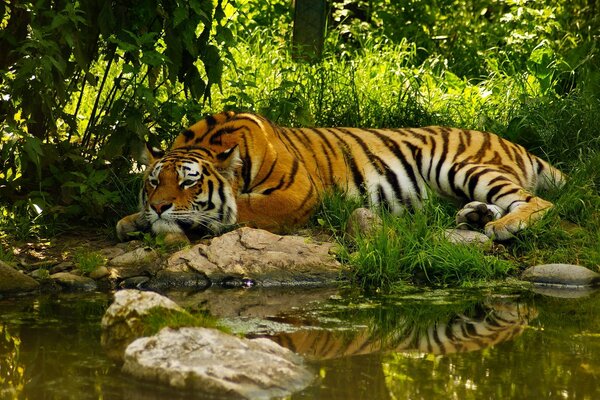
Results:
477 215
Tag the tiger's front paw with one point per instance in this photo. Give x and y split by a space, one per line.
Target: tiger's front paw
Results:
504 228
477 215
129 224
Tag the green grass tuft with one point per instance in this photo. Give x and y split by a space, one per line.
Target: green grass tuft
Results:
87 261
158 318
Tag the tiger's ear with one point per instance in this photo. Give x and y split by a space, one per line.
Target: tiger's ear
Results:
227 161
151 154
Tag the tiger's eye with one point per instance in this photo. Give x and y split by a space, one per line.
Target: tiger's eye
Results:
187 183
153 182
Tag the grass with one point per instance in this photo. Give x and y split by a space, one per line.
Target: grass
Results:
157 318
409 248
87 261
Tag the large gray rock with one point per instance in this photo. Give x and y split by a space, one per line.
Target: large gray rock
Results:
122 322
13 281
262 256
212 362
561 275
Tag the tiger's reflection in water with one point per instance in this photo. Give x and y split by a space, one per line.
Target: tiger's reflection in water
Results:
492 322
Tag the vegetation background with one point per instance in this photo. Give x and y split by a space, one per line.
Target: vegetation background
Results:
84 84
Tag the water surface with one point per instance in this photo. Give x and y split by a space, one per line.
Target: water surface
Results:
484 344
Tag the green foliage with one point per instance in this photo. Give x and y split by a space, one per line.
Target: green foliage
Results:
87 261
411 248
6 254
84 83
157 318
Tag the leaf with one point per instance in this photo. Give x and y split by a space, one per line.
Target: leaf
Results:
33 148
179 15
153 58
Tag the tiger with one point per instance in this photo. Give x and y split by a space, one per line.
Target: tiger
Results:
242 169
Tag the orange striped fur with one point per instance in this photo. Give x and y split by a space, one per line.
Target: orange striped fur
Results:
241 168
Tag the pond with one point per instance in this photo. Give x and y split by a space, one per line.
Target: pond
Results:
425 344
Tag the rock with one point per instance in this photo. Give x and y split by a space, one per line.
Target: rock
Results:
111 252
122 324
62 267
463 236
260 256
135 282
136 262
40 274
74 282
165 280
561 275
216 363
362 222
99 272
13 281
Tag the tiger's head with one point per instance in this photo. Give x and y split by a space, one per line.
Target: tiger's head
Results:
189 189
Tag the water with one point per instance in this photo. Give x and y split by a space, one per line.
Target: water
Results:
485 344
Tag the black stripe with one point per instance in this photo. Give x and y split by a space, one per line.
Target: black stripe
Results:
357 176
216 138
508 192
209 204
396 149
211 121
267 176
294 149
324 138
493 191
188 134
293 173
474 181
246 172
442 160
272 189
380 166
222 198
431 159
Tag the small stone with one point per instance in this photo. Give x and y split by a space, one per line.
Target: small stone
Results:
62 267
13 281
136 262
99 272
561 275
74 282
467 237
362 222
40 274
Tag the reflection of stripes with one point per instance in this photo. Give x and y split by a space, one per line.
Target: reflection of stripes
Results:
500 322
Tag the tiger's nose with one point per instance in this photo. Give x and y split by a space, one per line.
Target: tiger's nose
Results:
161 207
